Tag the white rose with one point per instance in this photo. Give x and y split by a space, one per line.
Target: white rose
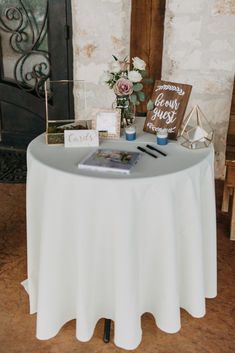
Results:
138 63
134 76
116 67
106 76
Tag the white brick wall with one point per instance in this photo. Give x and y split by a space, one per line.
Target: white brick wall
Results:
199 49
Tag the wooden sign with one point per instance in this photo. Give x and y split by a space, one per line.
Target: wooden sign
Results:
170 100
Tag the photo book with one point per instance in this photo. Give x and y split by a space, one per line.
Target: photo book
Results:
110 160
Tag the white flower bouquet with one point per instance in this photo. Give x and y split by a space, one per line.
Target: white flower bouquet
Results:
127 81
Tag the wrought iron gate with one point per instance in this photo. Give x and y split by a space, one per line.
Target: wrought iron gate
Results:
35 46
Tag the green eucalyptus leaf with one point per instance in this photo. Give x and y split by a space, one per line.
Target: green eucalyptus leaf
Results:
150 105
137 87
133 98
141 96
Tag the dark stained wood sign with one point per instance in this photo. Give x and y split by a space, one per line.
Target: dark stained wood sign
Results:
170 100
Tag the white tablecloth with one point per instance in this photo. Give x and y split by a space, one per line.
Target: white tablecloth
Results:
103 245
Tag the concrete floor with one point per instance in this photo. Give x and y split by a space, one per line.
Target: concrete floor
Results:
215 333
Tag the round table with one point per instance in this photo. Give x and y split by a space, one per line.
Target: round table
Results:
107 245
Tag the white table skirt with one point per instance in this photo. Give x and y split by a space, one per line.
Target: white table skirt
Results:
113 246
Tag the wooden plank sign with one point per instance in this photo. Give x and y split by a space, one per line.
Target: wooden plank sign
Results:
170 100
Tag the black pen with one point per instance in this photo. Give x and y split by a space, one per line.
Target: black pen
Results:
155 149
143 150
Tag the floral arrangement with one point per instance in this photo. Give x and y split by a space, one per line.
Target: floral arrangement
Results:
127 81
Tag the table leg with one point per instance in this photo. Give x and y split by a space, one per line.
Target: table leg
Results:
106 337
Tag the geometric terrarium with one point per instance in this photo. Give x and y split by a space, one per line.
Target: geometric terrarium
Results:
196 130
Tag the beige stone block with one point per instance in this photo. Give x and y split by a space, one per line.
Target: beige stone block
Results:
220 26
209 83
182 7
192 60
219 45
184 29
224 7
222 64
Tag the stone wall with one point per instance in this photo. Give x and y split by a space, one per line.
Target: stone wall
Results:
199 49
101 28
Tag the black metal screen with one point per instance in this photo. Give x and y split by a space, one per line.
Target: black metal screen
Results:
35 46
25 56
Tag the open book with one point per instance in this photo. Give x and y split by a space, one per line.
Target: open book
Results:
110 160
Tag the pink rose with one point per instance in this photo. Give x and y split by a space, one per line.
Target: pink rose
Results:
123 87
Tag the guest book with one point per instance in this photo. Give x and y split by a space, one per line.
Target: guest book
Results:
110 160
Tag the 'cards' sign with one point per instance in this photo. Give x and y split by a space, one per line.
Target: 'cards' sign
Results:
81 138
170 100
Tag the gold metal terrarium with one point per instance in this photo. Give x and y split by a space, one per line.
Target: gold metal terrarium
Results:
59 121
196 130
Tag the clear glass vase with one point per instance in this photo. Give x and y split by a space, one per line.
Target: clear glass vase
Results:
127 110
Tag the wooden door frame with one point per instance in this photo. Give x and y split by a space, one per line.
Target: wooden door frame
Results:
147 31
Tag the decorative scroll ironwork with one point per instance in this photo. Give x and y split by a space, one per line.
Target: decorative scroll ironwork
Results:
32 67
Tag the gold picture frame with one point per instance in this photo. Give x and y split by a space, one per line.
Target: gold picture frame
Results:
107 122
